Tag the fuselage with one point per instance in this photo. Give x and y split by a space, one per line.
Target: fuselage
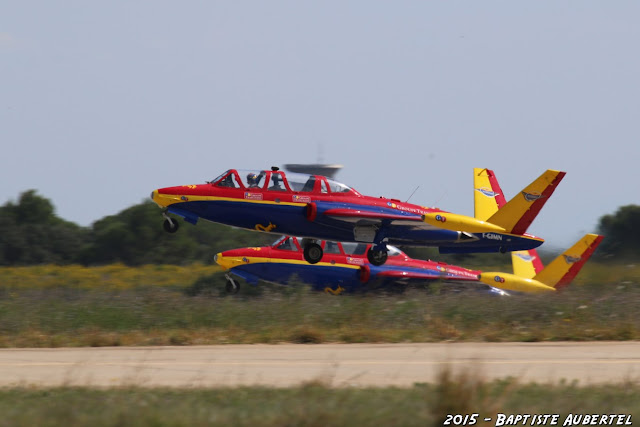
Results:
316 207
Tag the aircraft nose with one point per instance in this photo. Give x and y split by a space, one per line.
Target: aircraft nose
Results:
164 197
225 262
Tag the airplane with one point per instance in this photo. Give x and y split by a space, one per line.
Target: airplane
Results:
318 208
345 268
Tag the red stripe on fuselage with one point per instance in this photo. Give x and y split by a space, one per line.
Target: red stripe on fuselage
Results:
209 190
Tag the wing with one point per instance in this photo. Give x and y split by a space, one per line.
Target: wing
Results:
427 275
377 216
401 215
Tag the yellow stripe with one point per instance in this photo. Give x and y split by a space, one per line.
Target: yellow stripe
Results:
257 260
170 199
322 264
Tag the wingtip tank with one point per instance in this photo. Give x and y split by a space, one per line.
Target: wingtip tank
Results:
511 282
455 222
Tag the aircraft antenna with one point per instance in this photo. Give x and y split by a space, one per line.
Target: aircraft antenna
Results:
414 192
444 193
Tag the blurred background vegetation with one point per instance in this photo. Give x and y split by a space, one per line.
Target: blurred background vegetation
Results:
125 281
32 234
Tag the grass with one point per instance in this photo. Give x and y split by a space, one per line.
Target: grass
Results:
107 278
168 305
49 306
311 404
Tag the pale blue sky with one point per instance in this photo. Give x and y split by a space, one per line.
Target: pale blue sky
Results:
102 102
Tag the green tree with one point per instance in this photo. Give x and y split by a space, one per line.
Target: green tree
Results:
622 233
31 233
135 236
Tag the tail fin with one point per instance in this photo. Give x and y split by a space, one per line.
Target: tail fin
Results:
526 263
529 275
488 196
517 215
562 270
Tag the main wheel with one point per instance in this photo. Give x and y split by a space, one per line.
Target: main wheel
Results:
312 253
377 257
232 286
170 225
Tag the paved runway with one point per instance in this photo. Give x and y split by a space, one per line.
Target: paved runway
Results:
333 364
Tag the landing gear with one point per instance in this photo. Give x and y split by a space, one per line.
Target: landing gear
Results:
170 224
377 256
232 286
312 252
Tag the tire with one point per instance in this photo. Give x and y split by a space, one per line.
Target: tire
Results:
312 253
377 257
171 225
232 287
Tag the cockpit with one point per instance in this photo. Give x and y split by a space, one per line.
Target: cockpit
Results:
276 180
291 243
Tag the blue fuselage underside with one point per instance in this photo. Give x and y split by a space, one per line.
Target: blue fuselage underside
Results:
292 220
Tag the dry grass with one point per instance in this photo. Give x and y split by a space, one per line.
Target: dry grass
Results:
314 403
104 307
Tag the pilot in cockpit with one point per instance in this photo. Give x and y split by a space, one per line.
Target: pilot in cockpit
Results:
253 179
277 183
227 182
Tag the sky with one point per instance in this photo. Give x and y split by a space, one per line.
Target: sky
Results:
103 102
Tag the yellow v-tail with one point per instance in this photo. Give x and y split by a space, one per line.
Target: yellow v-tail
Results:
530 275
514 216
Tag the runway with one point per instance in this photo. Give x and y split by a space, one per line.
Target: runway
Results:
336 365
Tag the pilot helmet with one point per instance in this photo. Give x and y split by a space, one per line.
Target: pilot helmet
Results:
252 178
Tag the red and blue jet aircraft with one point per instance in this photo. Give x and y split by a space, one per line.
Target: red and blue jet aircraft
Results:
344 268
318 208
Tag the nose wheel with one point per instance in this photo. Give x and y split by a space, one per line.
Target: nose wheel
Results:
170 225
232 286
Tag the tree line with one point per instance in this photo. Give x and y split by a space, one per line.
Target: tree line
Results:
31 233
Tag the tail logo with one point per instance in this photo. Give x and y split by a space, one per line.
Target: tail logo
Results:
487 192
571 259
525 257
531 197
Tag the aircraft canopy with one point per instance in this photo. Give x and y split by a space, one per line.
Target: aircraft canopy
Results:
279 181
